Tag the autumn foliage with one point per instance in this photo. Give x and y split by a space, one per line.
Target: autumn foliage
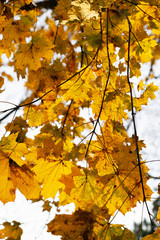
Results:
79 67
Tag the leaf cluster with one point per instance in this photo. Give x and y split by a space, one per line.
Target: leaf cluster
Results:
79 69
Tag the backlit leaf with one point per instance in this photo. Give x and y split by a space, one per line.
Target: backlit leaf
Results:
24 179
154 236
11 231
39 48
49 172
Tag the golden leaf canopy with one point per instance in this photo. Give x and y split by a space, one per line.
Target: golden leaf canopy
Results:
80 64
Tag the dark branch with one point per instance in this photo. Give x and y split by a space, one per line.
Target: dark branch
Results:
104 92
47 4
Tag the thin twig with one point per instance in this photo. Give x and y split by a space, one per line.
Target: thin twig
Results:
107 81
65 119
133 114
123 203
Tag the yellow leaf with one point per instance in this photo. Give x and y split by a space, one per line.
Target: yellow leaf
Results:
49 172
35 118
15 31
141 85
11 231
48 146
68 181
113 231
39 48
153 236
14 149
23 178
158 215
7 189
85 192
148 93
84 10
82 87
147 44
75 226
151 89
68 145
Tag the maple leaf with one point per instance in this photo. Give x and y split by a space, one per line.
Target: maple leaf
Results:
144 98
49 173
13 149
113 106
62 9
46 206
75 226
154 236
14 176
122 189
112 232
7 189
69 179
104 148
35 118
15 31
82 86
38 48
24 179
79 69
11 231
18 125
81 12
47 145
84 193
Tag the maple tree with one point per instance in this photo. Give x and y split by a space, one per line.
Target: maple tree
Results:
79 70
